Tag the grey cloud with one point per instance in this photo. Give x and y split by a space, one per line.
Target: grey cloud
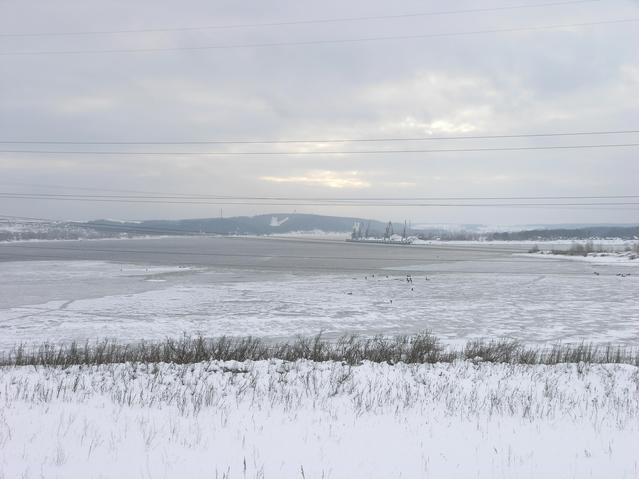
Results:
569 80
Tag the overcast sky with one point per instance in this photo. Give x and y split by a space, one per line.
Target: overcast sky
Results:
550 80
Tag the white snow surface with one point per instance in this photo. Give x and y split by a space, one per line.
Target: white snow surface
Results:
78 300
272 419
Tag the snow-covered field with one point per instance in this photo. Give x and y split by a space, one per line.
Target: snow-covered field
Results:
64 300
271 419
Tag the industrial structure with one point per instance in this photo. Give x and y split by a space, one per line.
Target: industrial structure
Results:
359 234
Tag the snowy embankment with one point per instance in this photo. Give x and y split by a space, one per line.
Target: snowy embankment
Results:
610 242
620 258
275 419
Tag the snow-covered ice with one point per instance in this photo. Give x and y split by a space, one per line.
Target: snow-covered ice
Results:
60 301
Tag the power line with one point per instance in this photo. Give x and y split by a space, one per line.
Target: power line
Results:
116 199
163 195
331 152
325 140
79 188
294 22
323 42
184 196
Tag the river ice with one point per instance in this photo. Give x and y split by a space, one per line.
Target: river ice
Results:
64 300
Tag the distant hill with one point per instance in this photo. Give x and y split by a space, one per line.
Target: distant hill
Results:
242 225
289 223
273 224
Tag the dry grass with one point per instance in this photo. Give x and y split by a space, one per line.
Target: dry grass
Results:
416 349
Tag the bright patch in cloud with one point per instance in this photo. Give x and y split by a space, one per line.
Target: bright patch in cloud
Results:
331 179
437 126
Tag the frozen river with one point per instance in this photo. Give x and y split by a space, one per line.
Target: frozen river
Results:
275 254
154 288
